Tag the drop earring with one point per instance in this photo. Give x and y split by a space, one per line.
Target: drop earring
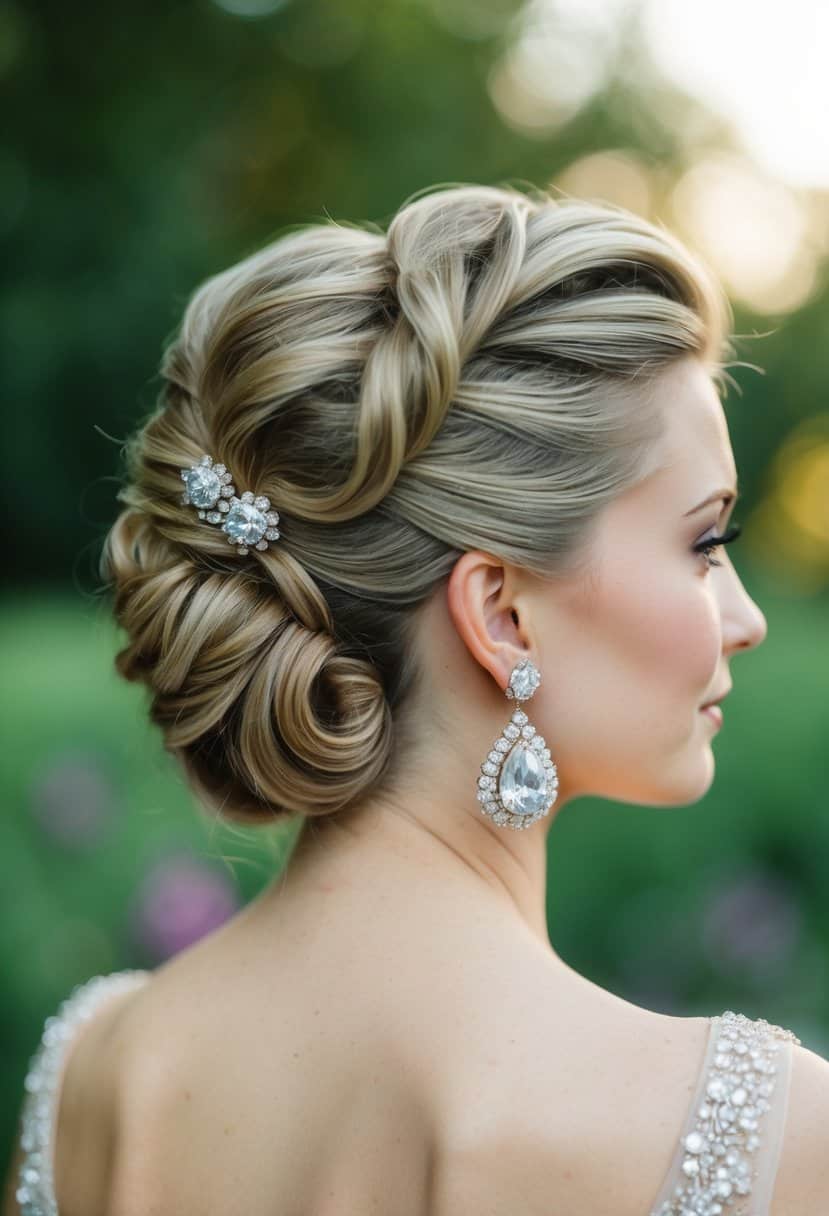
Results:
519 781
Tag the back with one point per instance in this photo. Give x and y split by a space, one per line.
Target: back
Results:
351 1052
428 1065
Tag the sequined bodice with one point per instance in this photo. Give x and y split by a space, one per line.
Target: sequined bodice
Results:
728 1152
724 1165
35 1190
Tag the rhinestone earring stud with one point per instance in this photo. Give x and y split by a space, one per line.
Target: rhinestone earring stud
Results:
519 781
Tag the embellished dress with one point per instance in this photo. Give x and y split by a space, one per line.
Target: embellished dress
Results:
725 1161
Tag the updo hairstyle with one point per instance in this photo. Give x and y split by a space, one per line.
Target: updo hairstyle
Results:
478 377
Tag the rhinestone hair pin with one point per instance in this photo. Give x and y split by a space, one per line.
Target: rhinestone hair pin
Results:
247 520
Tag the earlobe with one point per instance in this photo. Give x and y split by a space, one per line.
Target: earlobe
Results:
478 599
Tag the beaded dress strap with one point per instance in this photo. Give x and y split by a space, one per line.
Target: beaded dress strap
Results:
35 1192
729 1149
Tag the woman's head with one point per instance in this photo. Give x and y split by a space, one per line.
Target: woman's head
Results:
486 381
632 646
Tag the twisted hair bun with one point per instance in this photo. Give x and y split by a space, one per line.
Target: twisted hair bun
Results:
473 379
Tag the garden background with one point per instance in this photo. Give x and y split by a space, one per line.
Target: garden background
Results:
153 144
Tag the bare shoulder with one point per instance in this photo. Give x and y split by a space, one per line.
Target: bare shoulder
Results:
246 1086
592 1115
802 1186
570 1095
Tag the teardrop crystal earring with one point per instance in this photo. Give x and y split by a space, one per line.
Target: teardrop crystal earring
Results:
519 781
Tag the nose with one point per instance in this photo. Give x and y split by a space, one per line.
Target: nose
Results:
743 622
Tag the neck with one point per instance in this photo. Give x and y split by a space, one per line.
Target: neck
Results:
465 847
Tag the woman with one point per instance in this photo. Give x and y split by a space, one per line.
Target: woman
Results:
424 541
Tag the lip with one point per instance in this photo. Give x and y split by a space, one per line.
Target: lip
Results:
714 713
716 700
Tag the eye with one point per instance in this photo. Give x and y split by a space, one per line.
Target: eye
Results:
707 546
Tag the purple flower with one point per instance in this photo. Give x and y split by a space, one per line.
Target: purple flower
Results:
72 799
751 924
178 901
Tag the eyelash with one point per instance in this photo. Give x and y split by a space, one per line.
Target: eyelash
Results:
707 546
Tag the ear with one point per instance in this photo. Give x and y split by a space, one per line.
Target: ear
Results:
482 604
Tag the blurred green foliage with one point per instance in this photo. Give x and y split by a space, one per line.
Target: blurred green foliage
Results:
152 145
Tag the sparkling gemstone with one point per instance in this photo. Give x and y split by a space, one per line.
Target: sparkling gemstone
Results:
523 782
245 524
204 485
728 1119
524 680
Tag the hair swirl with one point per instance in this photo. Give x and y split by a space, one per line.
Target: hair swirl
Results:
475 378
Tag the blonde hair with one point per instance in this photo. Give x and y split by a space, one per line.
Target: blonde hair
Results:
476 378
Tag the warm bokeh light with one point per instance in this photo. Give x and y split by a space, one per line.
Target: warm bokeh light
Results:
790 528
766 76
557 61
756 213
806 493
615 176
763 68
751 228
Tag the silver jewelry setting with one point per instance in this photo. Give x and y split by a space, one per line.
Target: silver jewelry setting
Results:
519 779
247 520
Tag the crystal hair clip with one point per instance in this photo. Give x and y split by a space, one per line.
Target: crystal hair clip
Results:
248 519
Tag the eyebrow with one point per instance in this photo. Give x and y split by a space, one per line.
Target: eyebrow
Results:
726 495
